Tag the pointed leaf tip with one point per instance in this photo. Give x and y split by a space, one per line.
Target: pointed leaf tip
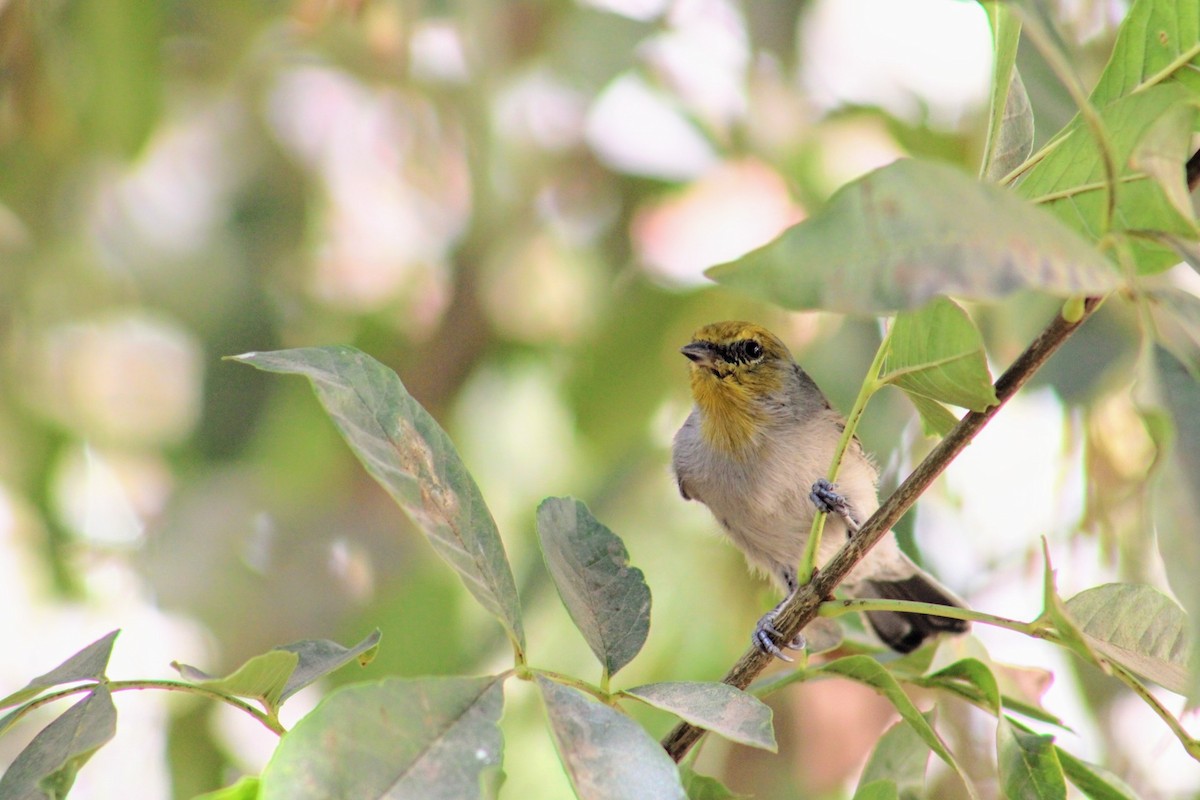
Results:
607 598
1028 764
414 460
319 657
90 663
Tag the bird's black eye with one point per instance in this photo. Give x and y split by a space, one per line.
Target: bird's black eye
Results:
744 351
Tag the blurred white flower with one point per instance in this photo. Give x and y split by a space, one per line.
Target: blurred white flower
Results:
128 379
638 130
733 209
909 58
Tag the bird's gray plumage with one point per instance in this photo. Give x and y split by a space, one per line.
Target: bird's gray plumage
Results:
760 496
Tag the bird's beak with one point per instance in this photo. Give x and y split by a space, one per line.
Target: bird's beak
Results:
702 353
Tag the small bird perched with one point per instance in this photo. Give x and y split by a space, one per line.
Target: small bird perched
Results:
755 449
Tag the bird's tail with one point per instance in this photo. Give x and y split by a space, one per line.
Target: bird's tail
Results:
903 631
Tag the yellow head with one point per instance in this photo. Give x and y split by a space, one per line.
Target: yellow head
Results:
741 372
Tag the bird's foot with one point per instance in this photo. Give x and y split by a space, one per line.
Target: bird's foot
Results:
766 635
827 500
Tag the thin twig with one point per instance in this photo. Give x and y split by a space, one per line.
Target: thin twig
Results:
804 605
872 384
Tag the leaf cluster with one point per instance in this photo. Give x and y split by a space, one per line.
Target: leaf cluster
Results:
1089 218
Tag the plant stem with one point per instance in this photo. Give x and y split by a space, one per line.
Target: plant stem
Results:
870 386
1190 744
804 605
1032 27
576 683
835 608
268 721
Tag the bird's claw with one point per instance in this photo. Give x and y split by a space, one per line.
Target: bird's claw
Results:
766 635
827 500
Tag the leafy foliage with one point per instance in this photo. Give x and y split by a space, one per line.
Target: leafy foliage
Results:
428 738
1010 116
411 456
1103 204
1137 626
717 707
607 755
89 664
47 767
899 761
607 599
913 230
1029 768
936 356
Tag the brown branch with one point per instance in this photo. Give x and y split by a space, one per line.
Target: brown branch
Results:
803 607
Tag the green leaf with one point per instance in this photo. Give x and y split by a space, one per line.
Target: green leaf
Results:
935 356
1015 140
607 598
246 788
1175 427
1146 94
1149 135
1157 40
703 787
1028 763
1010 117
1095 782
900 757
48 765
903 234
717 707
1018 706
319 657
88 664
262 677
969 678
1136 626
278 674
877 790
606 755
410 455
415 739
868 671
936 419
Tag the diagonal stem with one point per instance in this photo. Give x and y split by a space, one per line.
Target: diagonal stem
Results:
871 385
803 607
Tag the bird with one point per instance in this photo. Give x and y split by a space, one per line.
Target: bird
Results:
755 449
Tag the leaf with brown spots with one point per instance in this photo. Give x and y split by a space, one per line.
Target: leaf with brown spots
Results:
410 455
421 739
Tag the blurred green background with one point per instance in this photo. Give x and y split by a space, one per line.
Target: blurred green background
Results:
511 204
